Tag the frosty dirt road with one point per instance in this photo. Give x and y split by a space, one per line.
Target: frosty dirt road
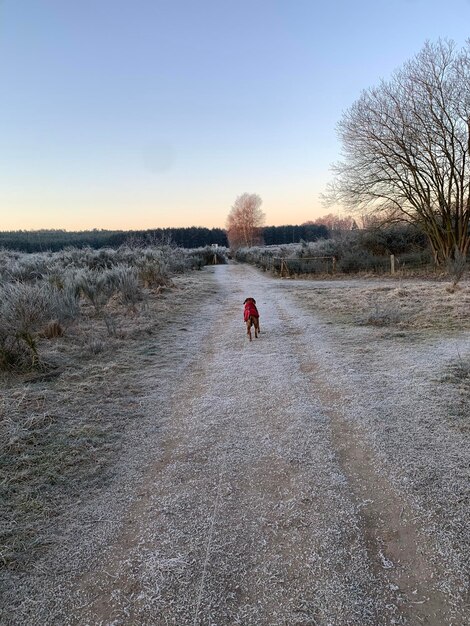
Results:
275 494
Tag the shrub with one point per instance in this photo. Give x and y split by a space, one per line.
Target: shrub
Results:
207 256
153 269
25 268
354 251
383 315
127 282
362 261
456 266
25 310
97 286
68 299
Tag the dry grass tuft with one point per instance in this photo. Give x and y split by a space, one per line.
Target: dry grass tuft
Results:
388 314
458 375
52 330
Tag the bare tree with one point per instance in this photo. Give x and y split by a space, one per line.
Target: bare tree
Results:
244 221
334 223
406 147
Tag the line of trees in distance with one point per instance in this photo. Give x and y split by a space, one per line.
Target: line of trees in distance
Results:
53 240
191 237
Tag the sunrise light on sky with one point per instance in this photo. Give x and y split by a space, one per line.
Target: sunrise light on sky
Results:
148 113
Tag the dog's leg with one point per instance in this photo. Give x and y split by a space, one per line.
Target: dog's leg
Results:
248 329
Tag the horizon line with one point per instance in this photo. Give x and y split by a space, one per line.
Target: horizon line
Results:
138 230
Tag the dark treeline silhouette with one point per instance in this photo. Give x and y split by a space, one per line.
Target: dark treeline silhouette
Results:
275 235
42 240
192 237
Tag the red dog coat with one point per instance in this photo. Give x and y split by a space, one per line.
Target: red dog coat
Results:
250 310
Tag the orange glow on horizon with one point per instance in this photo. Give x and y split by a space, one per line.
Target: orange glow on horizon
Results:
145 219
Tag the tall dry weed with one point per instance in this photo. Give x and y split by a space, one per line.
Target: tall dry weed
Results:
26 312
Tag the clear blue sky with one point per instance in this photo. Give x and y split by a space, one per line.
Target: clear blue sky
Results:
147 113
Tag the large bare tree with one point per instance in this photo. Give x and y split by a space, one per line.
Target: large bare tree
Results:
406 148
245 220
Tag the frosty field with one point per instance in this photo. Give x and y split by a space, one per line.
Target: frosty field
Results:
182 475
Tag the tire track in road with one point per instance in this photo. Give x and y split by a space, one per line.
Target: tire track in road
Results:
398 552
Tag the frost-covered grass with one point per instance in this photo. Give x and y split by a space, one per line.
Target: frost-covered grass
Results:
394 355
72 324
353 252
51 451
458 375
298 256
44 289
403 304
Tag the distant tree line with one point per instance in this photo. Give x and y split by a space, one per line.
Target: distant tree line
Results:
276 235
192 237
42 240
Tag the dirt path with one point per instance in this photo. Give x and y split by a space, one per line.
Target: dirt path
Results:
267 502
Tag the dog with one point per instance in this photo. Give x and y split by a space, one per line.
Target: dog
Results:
251 317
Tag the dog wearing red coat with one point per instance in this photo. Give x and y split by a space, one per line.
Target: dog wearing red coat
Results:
251 317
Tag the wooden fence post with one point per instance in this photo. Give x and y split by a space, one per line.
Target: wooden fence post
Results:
392 264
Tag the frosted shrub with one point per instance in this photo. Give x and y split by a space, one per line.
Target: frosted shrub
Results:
68 300
74 257
259 256
456 267
24 307
362 261
154 264
176 260
197 258
40 293
388 314
324 247
102 259
301 258
153 271
25 310
97 286
27 268
87 258
127 282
